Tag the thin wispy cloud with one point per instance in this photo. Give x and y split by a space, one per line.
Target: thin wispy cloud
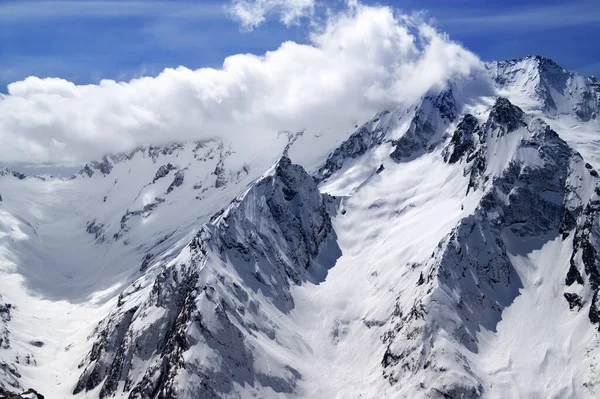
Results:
25 10
536 18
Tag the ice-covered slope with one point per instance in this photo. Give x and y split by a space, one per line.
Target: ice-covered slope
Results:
447 248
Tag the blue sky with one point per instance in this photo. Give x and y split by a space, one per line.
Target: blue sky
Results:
86 40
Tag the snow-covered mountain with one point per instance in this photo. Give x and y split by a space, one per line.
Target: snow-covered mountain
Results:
447 248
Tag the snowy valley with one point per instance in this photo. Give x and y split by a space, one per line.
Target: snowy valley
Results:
447 248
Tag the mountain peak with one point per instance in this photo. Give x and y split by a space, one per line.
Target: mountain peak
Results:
556 90
506 115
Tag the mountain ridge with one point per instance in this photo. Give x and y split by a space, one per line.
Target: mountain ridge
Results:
400 264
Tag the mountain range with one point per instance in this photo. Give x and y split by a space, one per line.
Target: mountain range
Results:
443 249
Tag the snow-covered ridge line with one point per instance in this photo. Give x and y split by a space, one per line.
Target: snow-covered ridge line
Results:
107 162
411 131
223 290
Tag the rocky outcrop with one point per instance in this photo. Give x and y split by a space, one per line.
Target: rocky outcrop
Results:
585 260
177 181
464 139
124 227
368 136
96 229
9 370
427 126
504 118
162 172
107 163
28 394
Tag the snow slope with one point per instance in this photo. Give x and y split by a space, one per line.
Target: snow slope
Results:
447 248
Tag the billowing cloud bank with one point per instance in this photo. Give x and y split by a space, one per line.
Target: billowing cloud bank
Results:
357 63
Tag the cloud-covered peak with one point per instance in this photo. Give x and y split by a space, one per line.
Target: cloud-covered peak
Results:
357 62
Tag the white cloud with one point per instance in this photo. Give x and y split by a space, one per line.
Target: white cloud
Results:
359 62
252 13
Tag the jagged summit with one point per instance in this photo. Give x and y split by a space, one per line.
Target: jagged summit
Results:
558 91
505 116
540 59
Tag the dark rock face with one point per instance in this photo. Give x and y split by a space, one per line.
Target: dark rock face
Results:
221 180
573 274
28 394
292 192
431 118
554 77
5 317
144 212
446 104
574 300
368 136
584 259
104 166
100 368
589 107
155 151
10 375
177 181
220 171
19 175
162 172
505 117
208 304
146 262
87 171
96 229
463 140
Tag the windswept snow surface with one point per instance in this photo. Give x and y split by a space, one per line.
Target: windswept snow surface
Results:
447 248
